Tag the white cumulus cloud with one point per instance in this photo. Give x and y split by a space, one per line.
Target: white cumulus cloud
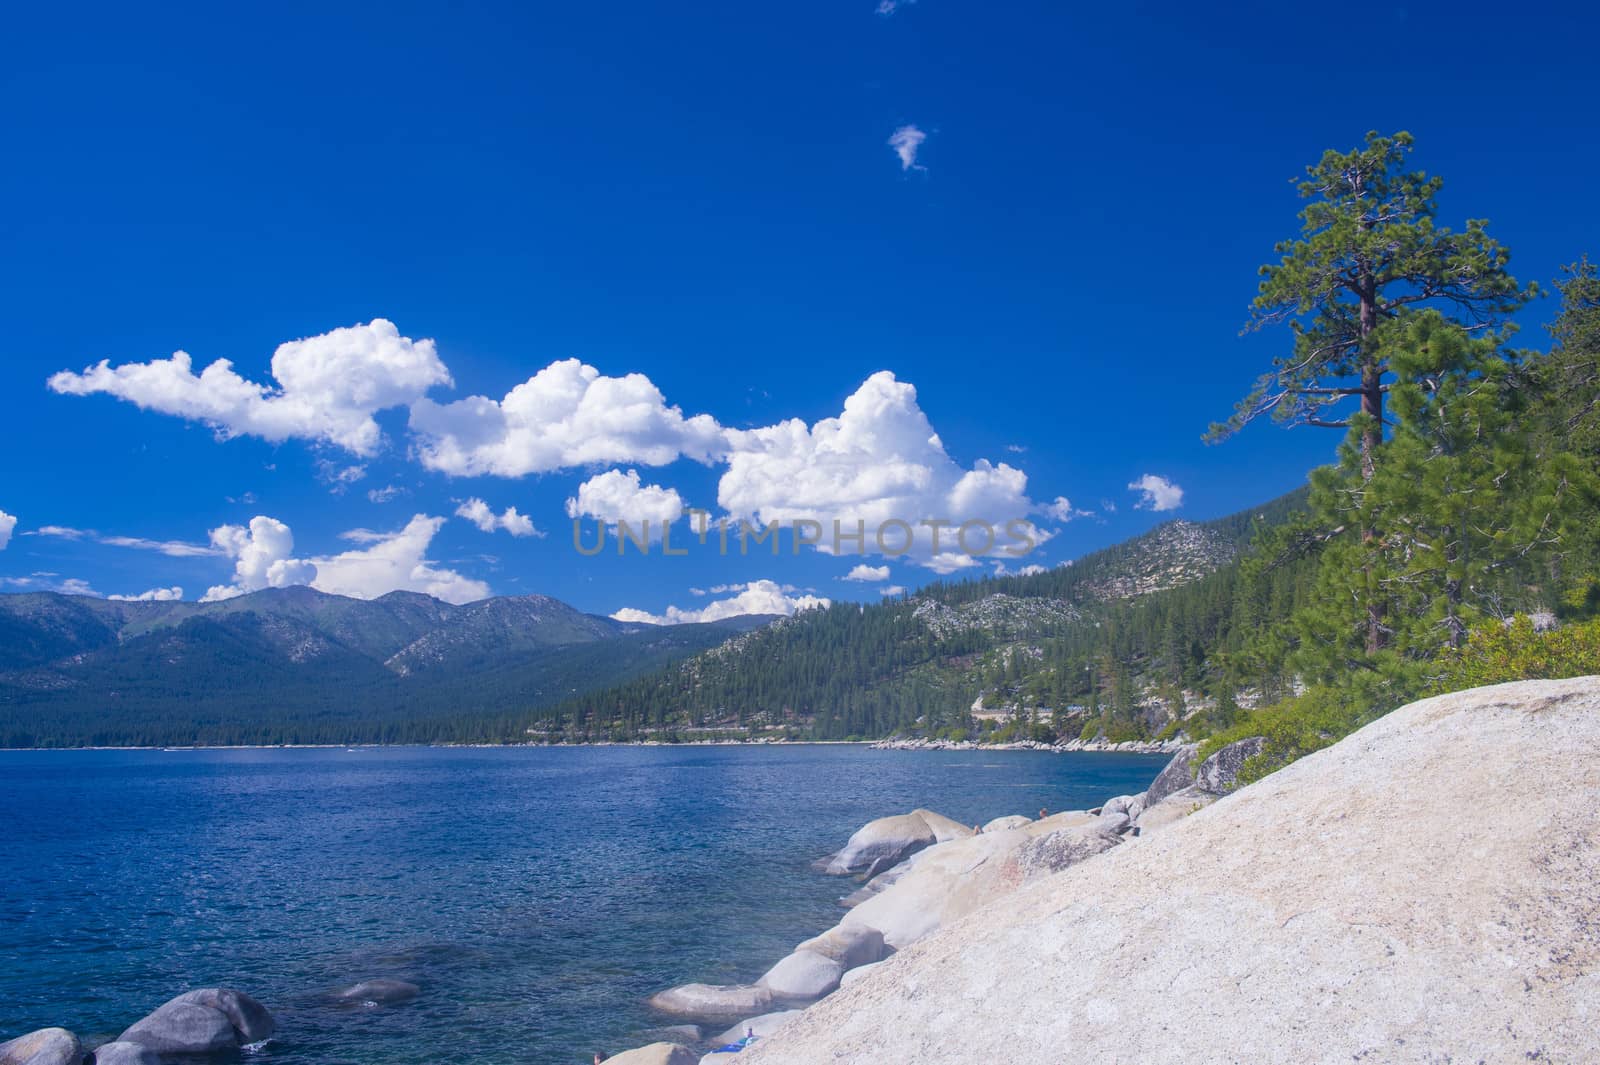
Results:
1061 509
615 496
327 388
566 415
864 572
1156 493
262 554
154 595
877 463
396 562
386 562
756 597
8 522
483 516
892 590
906 142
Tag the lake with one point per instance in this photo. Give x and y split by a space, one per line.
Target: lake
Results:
536 895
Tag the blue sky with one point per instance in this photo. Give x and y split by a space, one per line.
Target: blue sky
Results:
706 196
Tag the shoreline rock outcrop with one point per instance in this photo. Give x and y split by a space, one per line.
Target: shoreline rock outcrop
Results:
922 871
1427 889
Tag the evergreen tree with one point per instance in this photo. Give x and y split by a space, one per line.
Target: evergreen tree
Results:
1370 258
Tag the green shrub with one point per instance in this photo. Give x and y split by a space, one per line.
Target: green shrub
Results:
1498 653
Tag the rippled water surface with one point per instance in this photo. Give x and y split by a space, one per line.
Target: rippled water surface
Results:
536 895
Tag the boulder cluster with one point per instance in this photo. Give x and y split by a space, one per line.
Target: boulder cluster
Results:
918 872
210 1023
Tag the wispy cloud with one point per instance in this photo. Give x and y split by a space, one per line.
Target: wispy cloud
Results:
386 493
170 548
889 7
906 142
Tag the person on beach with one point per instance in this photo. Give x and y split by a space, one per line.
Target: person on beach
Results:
1043 813
599 1057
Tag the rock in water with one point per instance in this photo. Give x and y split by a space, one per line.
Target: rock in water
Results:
683 1034
183 1028
380 992
713 1002
1298 919
1175 776
803 976
656 1054
1220 773
124 1054
203 1022
762 1026
944 828
47 1046
879 844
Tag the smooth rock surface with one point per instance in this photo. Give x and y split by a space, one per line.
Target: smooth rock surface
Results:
1220 773
1002 824
945 883
1175 776
713 1002
655 1054
857 973
379 992
184 1027
1426 890
762 1026
880 844
803 975
1173 808
714 1058
47 1046
125 1054
877 884
849 945
944 828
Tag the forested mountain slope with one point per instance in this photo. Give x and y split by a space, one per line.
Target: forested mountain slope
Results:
1090 638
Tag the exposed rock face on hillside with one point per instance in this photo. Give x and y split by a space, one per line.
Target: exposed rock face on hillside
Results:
1000 615
1427 890
1169 556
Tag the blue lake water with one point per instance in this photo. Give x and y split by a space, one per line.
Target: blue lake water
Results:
536 895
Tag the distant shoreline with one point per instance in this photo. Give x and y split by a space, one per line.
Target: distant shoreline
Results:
874 744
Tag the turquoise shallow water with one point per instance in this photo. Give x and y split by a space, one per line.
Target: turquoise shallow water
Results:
536 895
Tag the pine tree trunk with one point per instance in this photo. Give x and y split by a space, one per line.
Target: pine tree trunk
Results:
1454 625
1371 439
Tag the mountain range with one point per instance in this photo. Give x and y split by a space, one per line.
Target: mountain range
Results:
288 665
294 665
